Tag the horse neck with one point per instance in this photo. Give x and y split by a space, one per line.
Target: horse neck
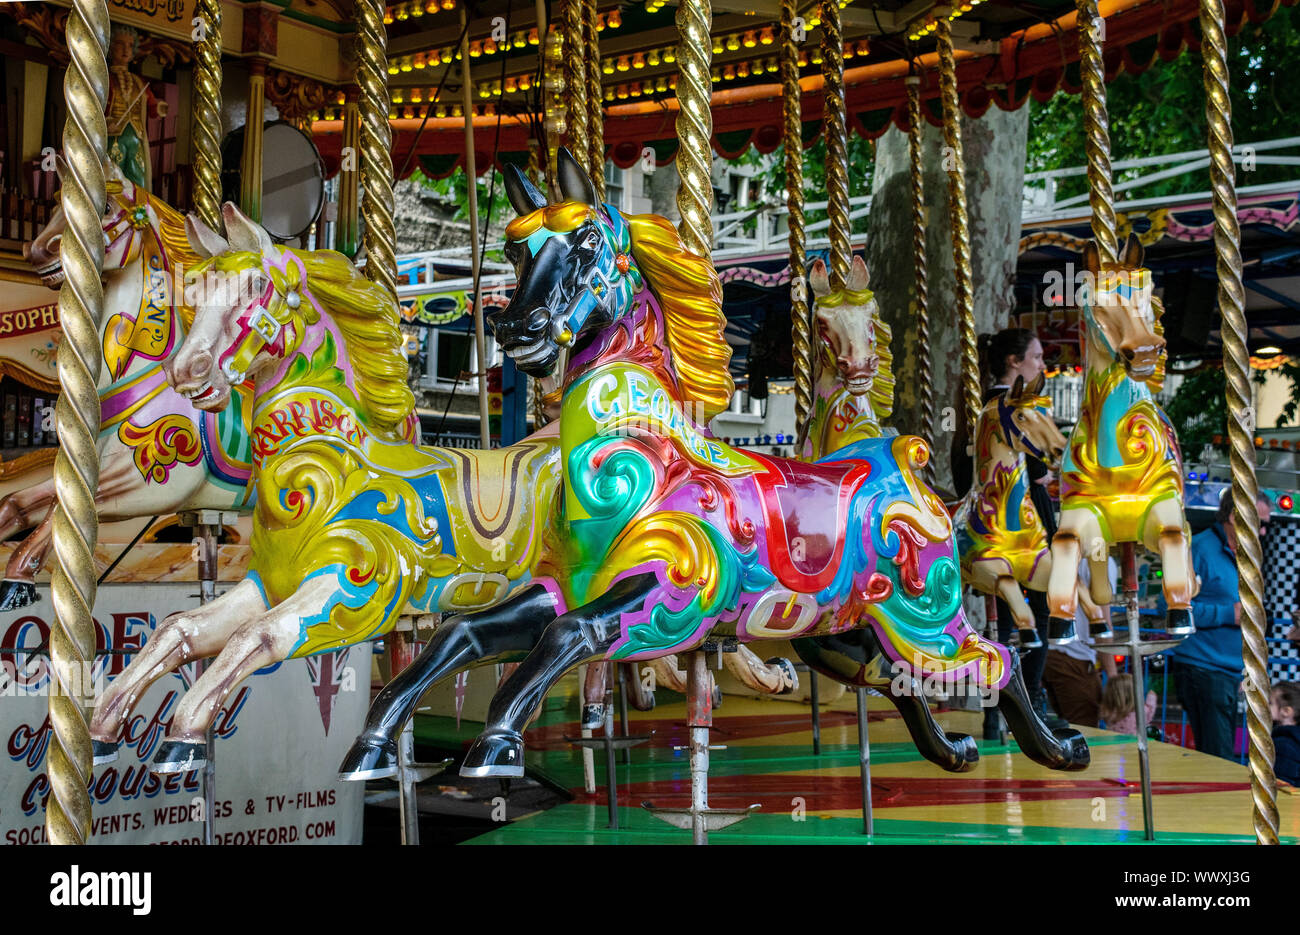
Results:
1106 385
829 396
992 454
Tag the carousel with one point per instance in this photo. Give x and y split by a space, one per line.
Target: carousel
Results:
614 625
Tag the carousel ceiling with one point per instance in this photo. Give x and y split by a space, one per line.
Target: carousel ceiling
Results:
1008 50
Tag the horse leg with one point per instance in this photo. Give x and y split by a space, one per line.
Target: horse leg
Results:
573 638
19 509
1064 748
501 633
774 677
1010 592
1166 522
18 589
267 638
593 696
639 695
181 638
854 658
667 675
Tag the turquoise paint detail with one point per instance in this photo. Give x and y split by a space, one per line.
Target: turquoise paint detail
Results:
920 621
1117 405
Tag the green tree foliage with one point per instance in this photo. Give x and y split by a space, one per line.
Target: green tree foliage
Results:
1162 110
1199 410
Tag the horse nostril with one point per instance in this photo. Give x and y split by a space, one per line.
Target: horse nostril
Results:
198 366
1129 352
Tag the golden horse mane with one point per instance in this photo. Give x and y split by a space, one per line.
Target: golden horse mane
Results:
690 296
366 316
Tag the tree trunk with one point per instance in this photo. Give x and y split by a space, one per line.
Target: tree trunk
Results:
994 148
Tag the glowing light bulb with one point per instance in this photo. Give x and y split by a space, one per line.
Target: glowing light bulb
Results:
652 57
607 66
742 70
670 56
621 92
623 64
489 46
615 19
733 43
401 13
398 97
532 37
749 40
638 61
661 83
475 49
449 4
419 61
767 37
405 64
729 73
511 85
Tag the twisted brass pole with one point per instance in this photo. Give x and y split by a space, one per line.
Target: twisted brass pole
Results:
206 116
792 144
76 465
970 363
575 80
346 235
379 236
837 150
695 125
1241 423
551 54
595 102
925 368
1097 128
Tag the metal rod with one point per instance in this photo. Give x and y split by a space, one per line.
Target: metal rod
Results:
816 713
837 154
471 188
792 145
379 236
864 762
622 710
398 645
700 719
1128 556
611 769
1096 124
207 533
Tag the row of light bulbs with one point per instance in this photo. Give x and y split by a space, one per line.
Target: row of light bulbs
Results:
931 22
489 46
415 9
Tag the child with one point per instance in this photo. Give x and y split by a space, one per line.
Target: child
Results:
1283 703
1117 705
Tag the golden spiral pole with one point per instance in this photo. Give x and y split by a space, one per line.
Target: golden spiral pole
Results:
970 361
552 61
575 80
1096 125
76 465
837 148
695 125
206 114
1241 424
379 236
792 144
595 102
925 366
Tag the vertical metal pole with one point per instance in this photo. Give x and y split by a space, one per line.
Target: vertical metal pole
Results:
622 709
400 650
792 143
970 365
205 119
864 762
816 713
208 533
379 236
250 189
1241 421
920 287
611 769
595 101
837 153
471 188
76 465
1096 124
552 103
347 233
695 125
1128 559
699 702
575 82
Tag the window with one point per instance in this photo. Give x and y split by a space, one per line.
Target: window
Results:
614 183
450 353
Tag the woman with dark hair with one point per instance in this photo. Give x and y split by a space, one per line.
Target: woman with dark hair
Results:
1011 353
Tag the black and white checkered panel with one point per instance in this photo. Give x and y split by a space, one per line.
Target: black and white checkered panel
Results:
1281 593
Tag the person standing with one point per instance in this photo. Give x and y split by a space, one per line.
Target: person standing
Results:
1207 666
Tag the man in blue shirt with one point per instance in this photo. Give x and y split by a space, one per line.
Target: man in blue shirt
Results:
1207 666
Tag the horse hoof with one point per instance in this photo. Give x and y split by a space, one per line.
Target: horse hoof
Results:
1179 622
368 759
968 752
1101 631
495 754
1060 632
789 677
179 756
1077 754
104 751
1029 639
16 594
717 697
593 716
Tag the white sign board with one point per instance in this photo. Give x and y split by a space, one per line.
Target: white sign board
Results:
280 739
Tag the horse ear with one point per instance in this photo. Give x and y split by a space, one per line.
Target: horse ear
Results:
1035 387
1133 252
524 196
1091 257
819 280
1018 390
245 233
204 240
575 184
858 275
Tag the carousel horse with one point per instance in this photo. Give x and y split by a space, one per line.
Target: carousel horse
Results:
664 536
1000 536
354 522
158 453
1121 477
853 387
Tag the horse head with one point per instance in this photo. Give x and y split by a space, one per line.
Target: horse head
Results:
573 265
1121 311
846 322
126 212
240 309
1025 421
